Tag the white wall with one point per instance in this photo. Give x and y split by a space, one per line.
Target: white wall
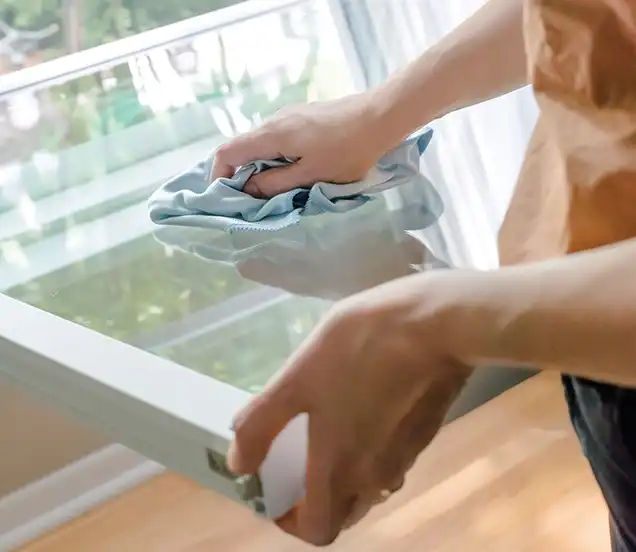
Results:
35 440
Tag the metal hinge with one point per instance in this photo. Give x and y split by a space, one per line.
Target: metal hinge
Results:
248 487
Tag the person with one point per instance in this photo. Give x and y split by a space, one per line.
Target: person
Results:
379 372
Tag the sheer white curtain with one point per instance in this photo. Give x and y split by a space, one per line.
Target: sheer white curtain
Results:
477 152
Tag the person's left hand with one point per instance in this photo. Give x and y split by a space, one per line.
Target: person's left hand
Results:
376 379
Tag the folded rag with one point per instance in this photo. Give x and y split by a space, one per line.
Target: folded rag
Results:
191 200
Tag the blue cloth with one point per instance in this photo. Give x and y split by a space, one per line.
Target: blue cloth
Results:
191 200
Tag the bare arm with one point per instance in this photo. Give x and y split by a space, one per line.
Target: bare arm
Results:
576 314
339 141
481 59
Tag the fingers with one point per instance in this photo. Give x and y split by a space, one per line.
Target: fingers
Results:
285 397
335 500
244 149
221 170
277 181
319 518
260 144
258 425
374 498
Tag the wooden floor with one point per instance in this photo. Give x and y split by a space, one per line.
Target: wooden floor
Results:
506 477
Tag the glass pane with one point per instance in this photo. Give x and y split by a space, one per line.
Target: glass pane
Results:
39 30
78 161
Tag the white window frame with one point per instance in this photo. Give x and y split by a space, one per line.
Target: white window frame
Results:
162 410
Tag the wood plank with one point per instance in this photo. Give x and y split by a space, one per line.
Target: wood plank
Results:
507 476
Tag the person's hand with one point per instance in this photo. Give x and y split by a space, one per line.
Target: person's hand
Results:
337 141
377 379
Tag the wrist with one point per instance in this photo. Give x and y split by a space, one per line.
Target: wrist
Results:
497 318
416 95
471 311
400 106
433 303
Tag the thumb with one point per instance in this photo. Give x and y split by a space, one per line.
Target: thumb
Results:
280 180
257 426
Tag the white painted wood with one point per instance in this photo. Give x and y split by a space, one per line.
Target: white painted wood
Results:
163 411
70 492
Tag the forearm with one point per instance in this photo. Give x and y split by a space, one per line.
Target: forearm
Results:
575 315
481 59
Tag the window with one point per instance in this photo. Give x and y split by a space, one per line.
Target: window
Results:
80 157
95 115
40 30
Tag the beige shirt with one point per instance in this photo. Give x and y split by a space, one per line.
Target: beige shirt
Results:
577 188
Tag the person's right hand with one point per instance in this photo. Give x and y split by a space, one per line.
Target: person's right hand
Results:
336 141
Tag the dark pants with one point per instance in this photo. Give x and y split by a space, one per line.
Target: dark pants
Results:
604 417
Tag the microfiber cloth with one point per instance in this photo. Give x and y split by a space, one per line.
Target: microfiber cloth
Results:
190 199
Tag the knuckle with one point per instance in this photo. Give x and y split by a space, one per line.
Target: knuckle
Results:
268 129
265 186
272 127
242 424
241 430
256 189
330 327
342 316
275 133
287 117
223 152
287 391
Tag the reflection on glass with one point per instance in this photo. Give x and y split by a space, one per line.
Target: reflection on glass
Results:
130 290
250 351
328 257
79 159
321 260
35 31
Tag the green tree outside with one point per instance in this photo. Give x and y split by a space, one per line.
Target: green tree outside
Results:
86 23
